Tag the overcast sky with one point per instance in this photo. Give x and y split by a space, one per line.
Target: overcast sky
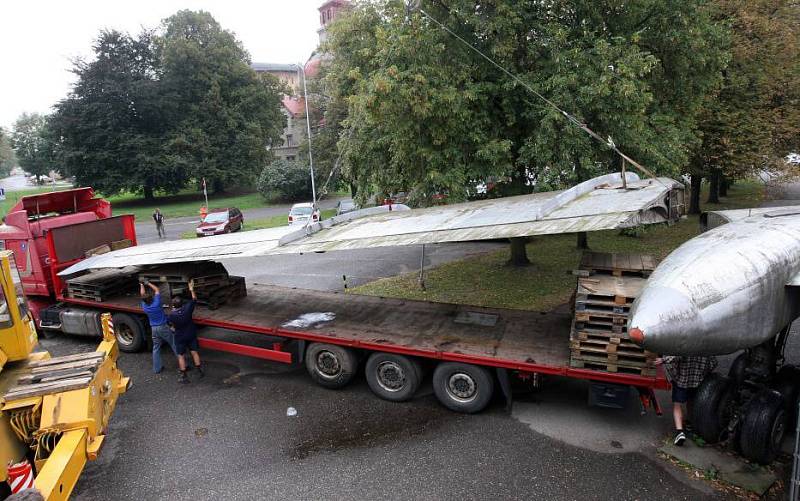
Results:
38 38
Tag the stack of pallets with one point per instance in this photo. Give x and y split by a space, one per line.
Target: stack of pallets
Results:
607 286
212 284
99 285
56 374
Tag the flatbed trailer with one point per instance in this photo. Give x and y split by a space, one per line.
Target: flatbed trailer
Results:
526 342
470 349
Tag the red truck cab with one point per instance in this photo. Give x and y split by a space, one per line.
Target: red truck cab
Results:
26 227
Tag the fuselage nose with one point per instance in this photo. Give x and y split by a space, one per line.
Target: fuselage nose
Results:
663 320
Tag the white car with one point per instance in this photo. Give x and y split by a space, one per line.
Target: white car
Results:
300 214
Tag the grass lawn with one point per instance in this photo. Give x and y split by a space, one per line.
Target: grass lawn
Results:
12 197
266 222
486 280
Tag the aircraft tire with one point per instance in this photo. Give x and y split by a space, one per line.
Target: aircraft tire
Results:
787 383
736 372
763 427
711 407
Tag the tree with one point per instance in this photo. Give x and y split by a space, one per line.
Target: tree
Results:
7 157
111 126
752 121
285 179
425 112
33 145
225 117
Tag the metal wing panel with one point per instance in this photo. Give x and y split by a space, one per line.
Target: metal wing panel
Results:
597 204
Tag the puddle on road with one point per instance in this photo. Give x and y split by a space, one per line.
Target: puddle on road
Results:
368 429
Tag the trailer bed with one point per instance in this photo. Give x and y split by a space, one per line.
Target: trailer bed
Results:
514 339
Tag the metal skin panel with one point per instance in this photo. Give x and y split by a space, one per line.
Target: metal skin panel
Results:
598 204
723 290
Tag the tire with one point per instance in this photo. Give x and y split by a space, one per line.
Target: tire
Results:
463 387
393 377
130 332
736 372
331 366
711 407
763 427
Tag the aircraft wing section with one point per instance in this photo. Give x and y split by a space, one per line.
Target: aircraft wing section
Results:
598 204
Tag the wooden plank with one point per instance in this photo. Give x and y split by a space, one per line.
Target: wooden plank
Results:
37 389
67 358
90 363
54 376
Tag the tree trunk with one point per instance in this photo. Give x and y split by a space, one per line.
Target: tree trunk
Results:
583 240
724 183
694 195
148 193
519 256
713 187
353 190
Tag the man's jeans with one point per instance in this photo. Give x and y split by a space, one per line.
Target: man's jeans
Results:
162 334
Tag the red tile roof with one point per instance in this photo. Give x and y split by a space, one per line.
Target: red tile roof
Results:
295 105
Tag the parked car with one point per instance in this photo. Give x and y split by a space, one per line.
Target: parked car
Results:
219 221
300 213
345 206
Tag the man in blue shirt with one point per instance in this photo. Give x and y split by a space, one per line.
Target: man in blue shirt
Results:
185 332
151 304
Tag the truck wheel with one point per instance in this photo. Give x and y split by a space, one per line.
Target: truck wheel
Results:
711 407
393 377
463 387
130 333
763 427
736 372
331 366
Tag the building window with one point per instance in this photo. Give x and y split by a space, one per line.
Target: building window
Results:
289 140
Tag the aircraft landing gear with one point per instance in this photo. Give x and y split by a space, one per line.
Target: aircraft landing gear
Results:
754 406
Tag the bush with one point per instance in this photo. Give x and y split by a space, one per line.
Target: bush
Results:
286 180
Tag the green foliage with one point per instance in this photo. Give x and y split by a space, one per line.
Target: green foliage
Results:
753 120
285 180
153 112
8 158
424 112
34 144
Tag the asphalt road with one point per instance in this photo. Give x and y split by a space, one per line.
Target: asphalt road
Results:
146 230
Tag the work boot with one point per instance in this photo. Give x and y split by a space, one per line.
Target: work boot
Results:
200 371
182 378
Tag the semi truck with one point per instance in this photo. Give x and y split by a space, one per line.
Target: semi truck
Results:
54 411
471 352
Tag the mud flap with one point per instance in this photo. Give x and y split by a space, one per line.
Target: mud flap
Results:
505 386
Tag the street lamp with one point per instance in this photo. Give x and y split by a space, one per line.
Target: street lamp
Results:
308 129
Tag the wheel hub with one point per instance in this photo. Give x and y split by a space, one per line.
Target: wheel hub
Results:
328 365
461 387
124 334
390 376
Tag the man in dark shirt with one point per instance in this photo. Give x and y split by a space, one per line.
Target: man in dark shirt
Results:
185 332
158 217
151 305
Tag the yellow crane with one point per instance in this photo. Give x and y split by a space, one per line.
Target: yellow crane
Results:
54 411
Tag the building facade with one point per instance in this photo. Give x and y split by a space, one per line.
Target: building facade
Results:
292 75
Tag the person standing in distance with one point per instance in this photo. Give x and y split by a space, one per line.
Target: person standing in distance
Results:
151 305
185 332
158 217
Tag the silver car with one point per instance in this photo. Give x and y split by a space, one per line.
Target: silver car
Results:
301 213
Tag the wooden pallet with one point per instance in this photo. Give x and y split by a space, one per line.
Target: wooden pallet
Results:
603 326
605 290
612 367
618 264
623 348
